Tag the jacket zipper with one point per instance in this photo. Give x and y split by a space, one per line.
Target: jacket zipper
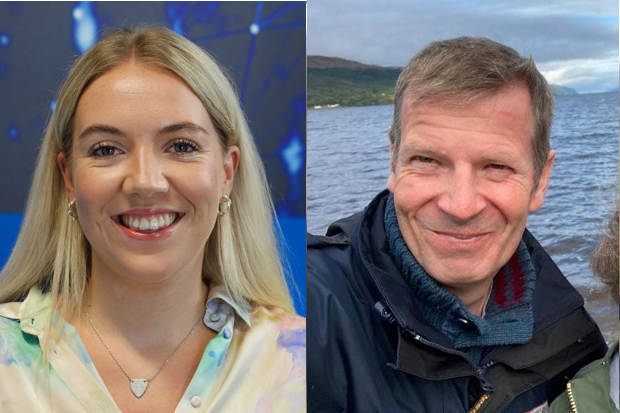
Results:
480 371
479 403
382 310
571 397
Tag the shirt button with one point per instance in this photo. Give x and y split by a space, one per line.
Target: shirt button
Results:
215 317
196 401
227 333
463 320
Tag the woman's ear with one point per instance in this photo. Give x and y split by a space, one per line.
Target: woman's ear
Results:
63 165
231 163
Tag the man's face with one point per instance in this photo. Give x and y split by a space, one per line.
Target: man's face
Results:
463 184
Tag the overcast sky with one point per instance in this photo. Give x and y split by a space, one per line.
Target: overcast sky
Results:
574 42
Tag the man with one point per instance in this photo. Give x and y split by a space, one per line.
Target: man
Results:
436 298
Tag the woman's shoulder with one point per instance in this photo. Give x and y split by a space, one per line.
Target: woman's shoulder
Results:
278 321
10 333
21 323
19 356
268 360
10 312
10 326
277 332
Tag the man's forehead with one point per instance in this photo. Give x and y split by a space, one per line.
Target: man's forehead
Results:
512 104
460 99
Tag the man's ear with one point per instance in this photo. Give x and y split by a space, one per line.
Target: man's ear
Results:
538 197
391 183
63 165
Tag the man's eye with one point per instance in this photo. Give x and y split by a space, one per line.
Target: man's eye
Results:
498 171
183 147
423 159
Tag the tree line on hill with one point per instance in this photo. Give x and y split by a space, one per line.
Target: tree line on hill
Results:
340 82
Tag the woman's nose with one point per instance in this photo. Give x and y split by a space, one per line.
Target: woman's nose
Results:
145 175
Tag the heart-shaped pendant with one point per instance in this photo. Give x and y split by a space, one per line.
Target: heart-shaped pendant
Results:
138 386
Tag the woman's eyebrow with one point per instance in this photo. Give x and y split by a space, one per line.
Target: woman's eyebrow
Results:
183 126
106 129
111 130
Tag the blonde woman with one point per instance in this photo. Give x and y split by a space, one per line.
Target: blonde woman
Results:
146 275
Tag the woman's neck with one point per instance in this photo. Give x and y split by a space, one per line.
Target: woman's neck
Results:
131 307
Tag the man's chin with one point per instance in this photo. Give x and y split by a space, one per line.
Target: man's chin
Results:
459 276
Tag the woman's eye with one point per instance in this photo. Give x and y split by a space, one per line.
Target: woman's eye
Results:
104 151
183 147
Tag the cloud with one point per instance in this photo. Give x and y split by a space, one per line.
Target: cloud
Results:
389 33
587 75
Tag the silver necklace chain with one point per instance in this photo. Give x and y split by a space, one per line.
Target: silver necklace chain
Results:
138 386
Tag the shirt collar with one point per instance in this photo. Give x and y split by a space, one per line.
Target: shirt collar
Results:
220 305
33 311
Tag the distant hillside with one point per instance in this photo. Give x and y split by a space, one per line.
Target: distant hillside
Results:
333 81
563 90
323 62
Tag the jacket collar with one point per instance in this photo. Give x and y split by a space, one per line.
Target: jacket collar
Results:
553 299
589 387
372 249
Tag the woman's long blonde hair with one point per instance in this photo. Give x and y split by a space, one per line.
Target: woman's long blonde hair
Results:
51 251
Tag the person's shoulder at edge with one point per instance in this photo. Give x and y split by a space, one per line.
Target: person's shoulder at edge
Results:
273 349
289 330
9 326
10 312
19 353
588 388
10 317
338 233
277 319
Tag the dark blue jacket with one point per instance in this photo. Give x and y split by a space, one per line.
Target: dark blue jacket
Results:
371 350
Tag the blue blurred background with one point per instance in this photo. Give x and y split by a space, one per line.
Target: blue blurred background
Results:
262 45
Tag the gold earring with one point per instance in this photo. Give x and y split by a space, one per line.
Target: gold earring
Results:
72 211
224 207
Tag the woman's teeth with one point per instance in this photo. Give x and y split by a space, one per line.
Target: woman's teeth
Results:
152 223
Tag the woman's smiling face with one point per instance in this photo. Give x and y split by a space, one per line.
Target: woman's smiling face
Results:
147 172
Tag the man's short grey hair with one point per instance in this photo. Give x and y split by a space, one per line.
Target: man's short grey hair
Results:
464 69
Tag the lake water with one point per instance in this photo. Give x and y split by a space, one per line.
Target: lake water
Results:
348 164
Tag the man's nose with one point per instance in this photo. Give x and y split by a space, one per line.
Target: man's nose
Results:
461 198
145 175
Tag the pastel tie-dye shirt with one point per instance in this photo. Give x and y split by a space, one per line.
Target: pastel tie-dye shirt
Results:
256 363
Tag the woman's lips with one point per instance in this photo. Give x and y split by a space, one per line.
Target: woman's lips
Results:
148 227
148 223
